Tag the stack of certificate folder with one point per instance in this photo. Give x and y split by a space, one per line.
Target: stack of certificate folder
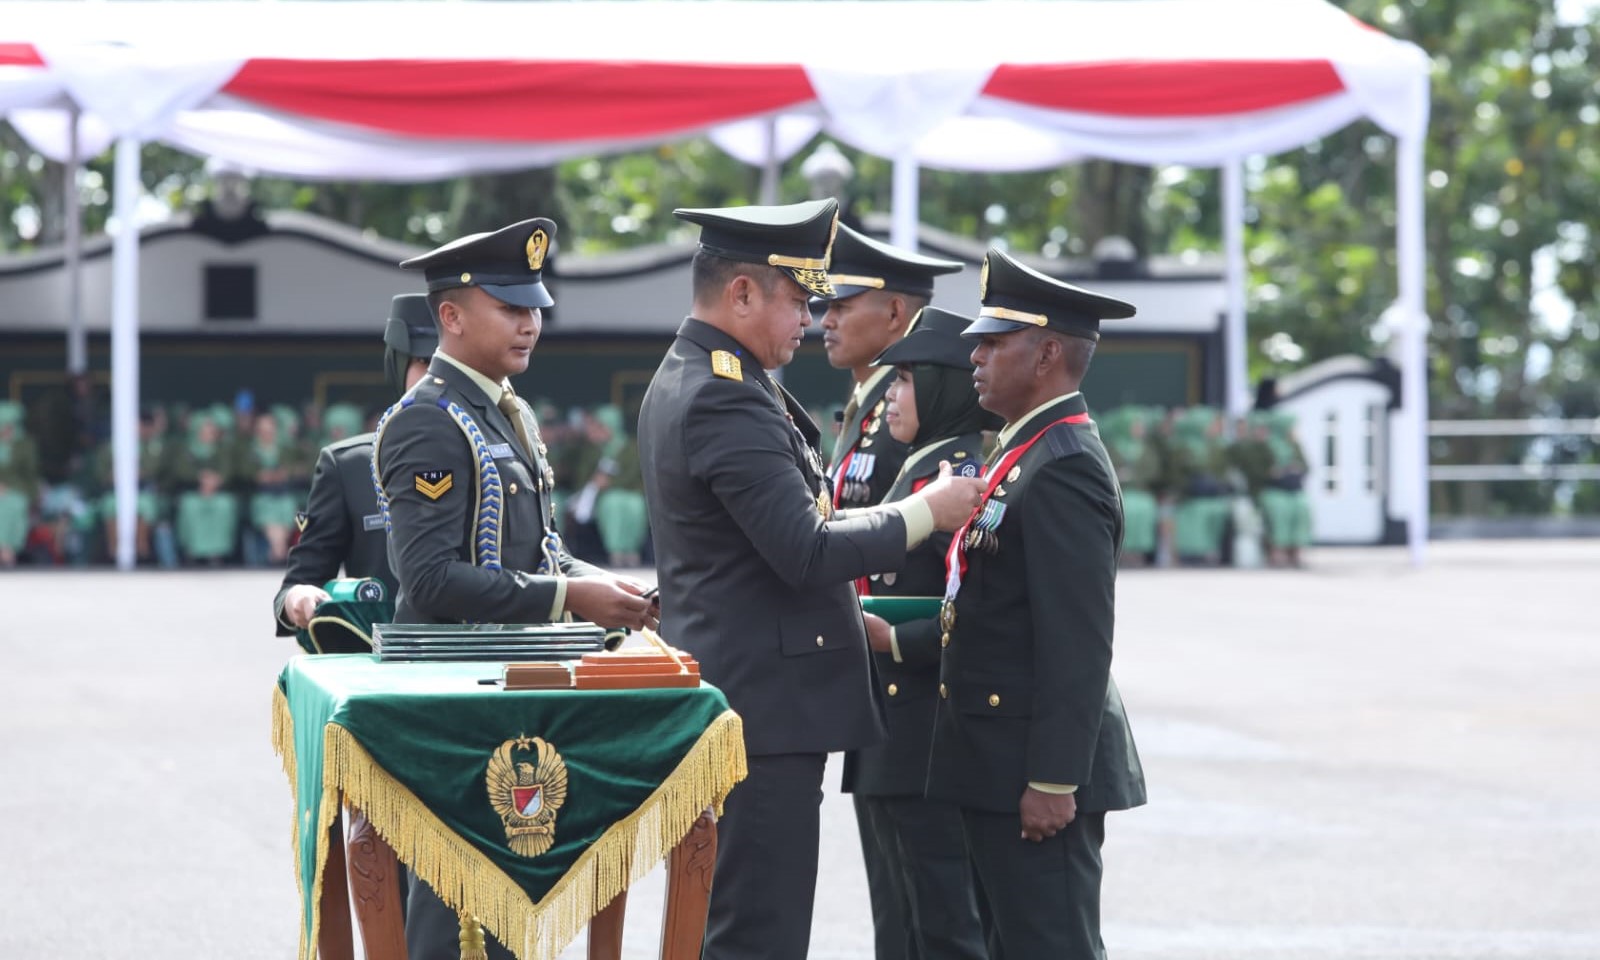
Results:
434 642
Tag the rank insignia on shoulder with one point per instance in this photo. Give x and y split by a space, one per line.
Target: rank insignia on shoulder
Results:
434 484
300 521
725 364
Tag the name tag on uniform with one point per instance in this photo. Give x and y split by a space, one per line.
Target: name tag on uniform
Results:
500 451
372 521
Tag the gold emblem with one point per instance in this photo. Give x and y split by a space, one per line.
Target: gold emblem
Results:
833 232
725 364
538 245
300 521
947 616
824 504
527 795
1013 475
466 278
983 278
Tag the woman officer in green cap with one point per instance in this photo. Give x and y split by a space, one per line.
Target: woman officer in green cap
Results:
916 857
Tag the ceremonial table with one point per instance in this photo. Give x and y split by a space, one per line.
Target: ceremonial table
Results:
528 810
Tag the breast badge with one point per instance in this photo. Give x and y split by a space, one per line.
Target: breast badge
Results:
434 484
527 795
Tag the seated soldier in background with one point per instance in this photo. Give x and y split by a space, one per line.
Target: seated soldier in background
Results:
1138 464
1203 493
1283 497
207 511
275 463
19 482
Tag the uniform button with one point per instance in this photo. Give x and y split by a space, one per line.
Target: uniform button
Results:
893 690
994 699
944 692
819 641
438 380
512 488
944 639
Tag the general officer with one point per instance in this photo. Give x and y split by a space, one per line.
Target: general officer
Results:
878 290
918 872
465 488
1031 739
341 525
755 570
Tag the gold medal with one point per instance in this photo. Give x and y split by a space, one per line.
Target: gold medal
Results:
947 615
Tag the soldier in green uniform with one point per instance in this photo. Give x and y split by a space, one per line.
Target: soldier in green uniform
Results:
19 482
1283 496
878 290
755 569
1201 467
204 470
918 873
155 455
465 489
341 526
274 461
1031 740
1138 464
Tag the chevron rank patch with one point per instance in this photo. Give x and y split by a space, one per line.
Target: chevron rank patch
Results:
434 484
300 520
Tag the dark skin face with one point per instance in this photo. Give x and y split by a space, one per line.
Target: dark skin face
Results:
489 335
1016 372
856 329
770 319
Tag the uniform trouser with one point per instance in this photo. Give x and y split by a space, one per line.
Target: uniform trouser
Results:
1043 898
766 875
433 930
920 880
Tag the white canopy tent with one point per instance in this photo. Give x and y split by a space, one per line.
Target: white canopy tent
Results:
407 91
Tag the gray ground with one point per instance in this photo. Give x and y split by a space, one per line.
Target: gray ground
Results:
1357 761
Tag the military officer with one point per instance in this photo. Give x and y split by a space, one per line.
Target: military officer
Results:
465 488
918 874
341 525
878 290
1031 739
755 569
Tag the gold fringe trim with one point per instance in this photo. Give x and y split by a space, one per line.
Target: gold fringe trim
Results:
470 883
327 811
314 622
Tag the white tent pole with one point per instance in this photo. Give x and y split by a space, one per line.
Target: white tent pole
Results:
125 350
903 202
77 337
1235 369
1409 257
769 166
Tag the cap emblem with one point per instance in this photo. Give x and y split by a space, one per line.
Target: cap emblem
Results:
983 280
538 245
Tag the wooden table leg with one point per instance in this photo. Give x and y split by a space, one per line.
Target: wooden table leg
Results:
605 930
689 870
335 940
375 885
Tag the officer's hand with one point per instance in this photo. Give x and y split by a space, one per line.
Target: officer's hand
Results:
301 602
1045 814
878 633
610 602
952 498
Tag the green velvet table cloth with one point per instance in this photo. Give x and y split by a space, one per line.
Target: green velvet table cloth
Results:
529 810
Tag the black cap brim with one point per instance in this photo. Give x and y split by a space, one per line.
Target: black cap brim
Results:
532 295
912 350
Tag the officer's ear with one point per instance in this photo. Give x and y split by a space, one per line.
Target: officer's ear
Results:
450 315
741 292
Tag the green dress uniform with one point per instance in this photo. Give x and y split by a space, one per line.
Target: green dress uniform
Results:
756 582
341 526
207 521
19 478
1026 695
918 874
1138 465
466 495
865 459
1201 520
1283 496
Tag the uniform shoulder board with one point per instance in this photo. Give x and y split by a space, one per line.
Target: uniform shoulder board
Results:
725 364
1064 441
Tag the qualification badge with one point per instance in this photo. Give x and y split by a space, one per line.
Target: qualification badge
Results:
527 795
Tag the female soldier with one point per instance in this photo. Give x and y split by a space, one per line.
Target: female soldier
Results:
933 408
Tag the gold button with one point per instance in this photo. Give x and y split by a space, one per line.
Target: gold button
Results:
819 641
512 488
893 690
994 699
466 278
943 692
944 639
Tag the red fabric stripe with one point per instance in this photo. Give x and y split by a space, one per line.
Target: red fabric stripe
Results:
1185 88
838 478
520 100
19 55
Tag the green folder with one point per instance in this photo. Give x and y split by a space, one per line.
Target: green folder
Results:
898 610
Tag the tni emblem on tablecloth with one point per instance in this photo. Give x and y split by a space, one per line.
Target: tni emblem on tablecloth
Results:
527 795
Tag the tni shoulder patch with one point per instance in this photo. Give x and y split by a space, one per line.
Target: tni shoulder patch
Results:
434 484
725 364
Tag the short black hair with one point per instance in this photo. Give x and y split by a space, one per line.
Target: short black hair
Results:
711 274
1076 352
436 299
